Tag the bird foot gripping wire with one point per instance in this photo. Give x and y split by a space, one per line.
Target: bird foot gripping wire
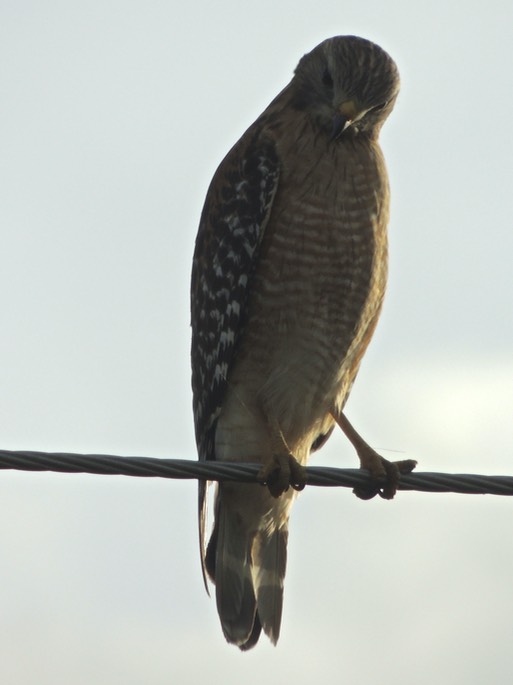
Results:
281 472
384 476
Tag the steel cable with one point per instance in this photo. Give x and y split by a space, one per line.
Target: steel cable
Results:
149 467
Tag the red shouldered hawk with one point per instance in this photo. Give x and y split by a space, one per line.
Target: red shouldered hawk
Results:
288 279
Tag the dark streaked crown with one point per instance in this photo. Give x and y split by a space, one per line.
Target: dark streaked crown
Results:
347 69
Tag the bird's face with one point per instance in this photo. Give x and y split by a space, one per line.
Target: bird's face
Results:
347 85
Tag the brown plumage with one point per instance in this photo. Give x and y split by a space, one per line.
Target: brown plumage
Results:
288 279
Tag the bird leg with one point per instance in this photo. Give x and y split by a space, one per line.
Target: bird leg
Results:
380 469
281 470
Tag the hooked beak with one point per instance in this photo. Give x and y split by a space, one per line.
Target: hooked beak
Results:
345 115
340 123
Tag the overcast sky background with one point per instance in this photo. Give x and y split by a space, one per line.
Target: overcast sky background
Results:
113 119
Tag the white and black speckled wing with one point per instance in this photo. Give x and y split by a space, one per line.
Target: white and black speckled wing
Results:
232 224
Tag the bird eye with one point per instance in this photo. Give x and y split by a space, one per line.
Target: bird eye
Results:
327 79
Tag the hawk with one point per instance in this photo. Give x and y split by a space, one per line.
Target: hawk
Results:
288 279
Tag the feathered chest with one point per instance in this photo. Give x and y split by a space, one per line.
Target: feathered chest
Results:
322 261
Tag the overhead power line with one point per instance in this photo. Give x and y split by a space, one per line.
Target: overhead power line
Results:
149 467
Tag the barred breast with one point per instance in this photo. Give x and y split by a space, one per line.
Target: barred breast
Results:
315 297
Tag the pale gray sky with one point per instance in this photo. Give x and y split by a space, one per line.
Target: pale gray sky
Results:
114 117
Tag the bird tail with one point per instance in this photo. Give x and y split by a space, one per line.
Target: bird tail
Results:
248 569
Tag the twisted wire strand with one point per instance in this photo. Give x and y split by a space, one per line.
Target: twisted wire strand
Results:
150 467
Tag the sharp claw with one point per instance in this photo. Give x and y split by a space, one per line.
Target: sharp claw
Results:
365 493
406 466
380 469
282 472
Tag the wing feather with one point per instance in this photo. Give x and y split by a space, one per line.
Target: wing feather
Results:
232 224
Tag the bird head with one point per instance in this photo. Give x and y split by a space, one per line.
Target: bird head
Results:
346 84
